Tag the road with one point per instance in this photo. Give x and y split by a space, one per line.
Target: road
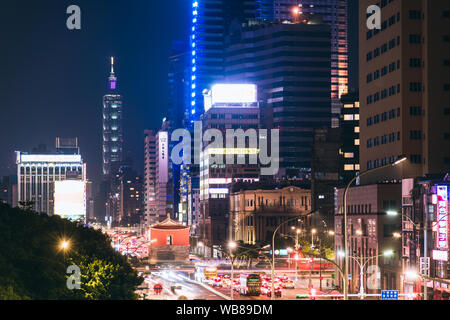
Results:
301 287
169 279
192 290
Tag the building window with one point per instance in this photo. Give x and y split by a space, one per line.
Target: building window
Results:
415 86
415 62
416 158
415 134
415 14
415 38
415 110
349 167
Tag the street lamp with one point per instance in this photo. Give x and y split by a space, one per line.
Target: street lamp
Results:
361 264
231 246
399 160
425 241
313 232
272 297
64 245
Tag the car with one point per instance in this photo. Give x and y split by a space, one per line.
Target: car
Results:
226 282
217 282
288 284
237 285
267 290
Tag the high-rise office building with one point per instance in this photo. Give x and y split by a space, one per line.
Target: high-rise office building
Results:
112 126
212 22
335 14
227 106
163 176
52 183
290 63
149 177
131 196
405 88
8 190
158 176
349 151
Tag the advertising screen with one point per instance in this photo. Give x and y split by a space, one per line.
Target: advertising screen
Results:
70 199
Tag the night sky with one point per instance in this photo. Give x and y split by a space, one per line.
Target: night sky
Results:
52 79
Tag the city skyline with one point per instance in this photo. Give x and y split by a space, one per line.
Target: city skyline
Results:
225 150
60 85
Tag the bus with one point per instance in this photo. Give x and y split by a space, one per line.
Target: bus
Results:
205 273
250 284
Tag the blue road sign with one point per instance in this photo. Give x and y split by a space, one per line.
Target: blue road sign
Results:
389 294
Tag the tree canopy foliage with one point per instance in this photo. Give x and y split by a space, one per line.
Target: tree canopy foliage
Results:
33 265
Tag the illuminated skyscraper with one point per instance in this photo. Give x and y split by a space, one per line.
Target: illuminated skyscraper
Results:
212 21
334 13
290 63
112 126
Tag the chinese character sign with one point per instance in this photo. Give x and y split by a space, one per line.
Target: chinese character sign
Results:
442 218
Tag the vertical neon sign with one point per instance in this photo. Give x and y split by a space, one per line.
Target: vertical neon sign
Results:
442 218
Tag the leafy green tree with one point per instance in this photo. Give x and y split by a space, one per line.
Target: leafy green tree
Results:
32 264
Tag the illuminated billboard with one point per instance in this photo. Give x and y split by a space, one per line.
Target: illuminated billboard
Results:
70 199
233 93
163 157
442 218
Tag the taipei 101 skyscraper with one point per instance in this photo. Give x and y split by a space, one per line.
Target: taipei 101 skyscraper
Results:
112 126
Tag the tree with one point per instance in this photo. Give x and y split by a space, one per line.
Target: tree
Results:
32 265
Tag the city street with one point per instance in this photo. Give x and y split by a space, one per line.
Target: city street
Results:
169 279
192 290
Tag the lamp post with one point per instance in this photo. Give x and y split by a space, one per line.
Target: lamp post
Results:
400 159
231 246
362 264
313 232
425 243
272 297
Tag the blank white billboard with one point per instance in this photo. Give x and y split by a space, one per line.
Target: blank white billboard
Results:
233 93
70 199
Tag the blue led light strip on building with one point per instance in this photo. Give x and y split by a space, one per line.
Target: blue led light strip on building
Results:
194 54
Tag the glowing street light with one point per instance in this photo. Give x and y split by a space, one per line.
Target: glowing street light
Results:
411 275
232 245
64 245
